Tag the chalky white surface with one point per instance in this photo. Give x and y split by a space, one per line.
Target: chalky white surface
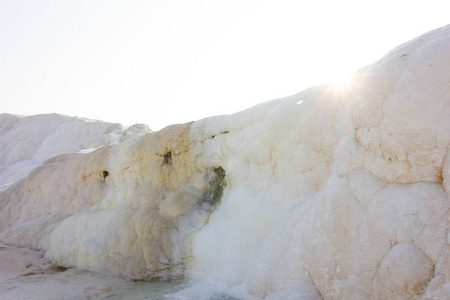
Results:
332 193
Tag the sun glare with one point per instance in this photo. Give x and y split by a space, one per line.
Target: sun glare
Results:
340 80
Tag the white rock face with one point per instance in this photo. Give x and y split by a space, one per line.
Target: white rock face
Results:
26 142
334 194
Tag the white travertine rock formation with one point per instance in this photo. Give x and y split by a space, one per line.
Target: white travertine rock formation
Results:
26 142
330 193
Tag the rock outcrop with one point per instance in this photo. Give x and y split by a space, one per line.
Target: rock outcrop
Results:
332 193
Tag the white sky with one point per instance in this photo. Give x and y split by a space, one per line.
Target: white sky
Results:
161 62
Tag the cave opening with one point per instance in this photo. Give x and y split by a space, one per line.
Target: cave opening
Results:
168 158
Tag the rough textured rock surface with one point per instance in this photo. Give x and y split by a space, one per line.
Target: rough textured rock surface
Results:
332 193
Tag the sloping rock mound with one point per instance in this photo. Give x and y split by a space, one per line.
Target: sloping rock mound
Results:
332 193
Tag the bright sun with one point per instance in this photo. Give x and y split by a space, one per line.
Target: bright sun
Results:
340 80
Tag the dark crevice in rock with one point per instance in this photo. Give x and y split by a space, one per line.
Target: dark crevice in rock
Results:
167 158
223 132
